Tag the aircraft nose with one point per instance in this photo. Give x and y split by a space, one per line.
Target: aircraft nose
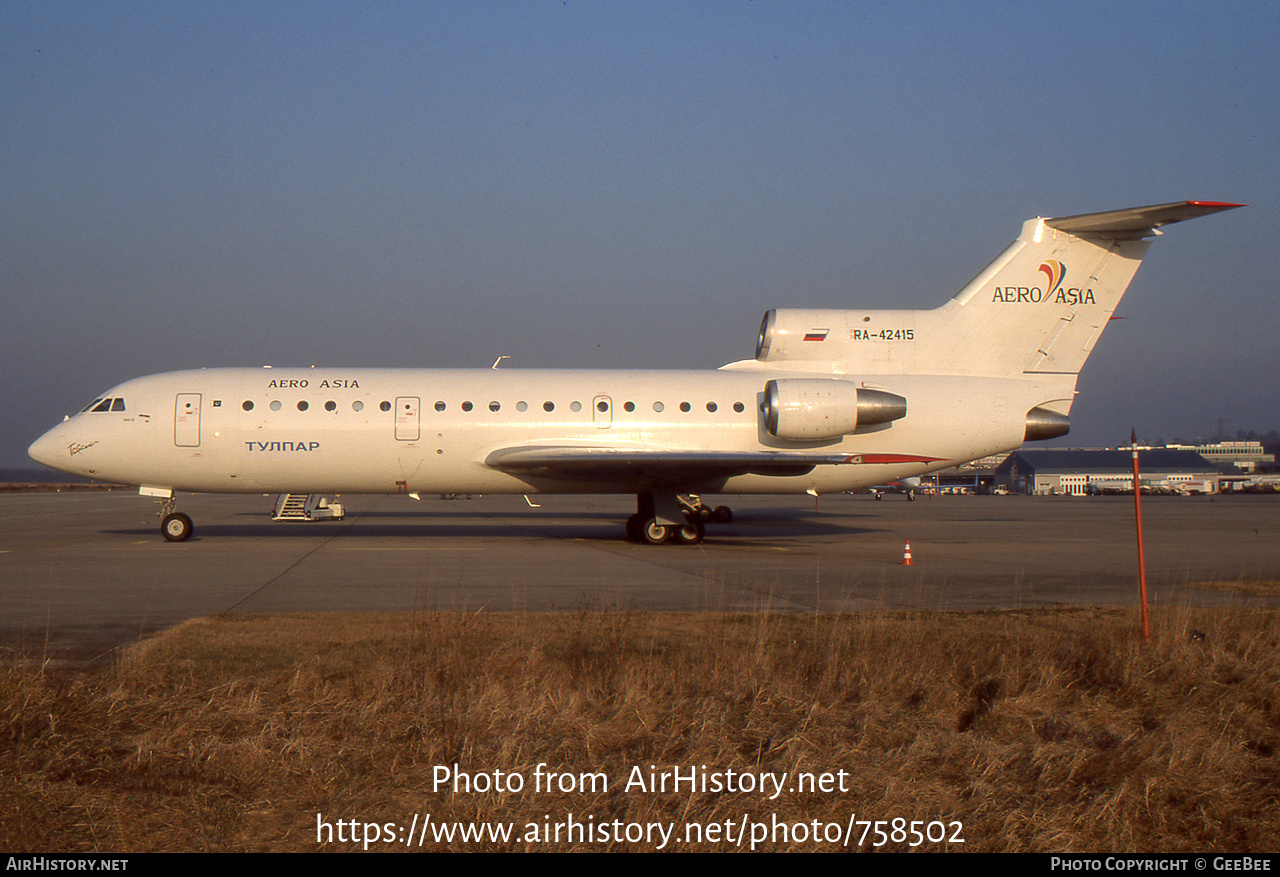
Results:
45 449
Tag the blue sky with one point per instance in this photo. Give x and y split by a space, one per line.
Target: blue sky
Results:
616 184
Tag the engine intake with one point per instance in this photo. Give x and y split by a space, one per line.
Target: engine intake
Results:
815 409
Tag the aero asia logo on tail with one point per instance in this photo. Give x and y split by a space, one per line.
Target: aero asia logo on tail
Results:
1055 273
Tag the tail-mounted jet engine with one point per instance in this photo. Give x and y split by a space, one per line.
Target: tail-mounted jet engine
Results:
803 334
816 409
1045 423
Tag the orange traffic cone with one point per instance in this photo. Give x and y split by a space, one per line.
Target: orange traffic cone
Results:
906 554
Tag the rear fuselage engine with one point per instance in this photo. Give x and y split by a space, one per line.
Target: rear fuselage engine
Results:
814 409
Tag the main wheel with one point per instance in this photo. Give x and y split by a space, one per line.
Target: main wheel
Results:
176 527
722 515
653 533
691 533
633 527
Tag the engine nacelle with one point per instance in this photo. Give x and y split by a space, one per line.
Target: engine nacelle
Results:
857 339
1045 423
816 409
802 334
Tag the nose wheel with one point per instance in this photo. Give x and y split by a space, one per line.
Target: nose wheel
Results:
174 526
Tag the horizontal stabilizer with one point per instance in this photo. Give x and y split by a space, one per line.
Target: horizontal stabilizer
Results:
1136 221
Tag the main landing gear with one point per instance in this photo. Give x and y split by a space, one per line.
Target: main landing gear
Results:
663 518
652 532
174 526
693 505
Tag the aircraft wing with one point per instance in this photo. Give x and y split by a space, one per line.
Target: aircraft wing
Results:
658 466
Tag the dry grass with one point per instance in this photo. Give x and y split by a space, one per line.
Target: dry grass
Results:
1039 731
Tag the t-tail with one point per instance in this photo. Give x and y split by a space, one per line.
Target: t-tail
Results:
1038 309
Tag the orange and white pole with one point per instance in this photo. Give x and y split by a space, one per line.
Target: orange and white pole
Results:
1137 512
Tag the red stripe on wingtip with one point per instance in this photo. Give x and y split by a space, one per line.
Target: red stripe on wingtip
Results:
1225 205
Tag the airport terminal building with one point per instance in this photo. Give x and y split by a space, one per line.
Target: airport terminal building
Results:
1080 473
1244 456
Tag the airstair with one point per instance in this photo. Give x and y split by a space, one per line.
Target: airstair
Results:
306 507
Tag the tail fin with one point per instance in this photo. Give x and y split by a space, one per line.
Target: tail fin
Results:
1037 309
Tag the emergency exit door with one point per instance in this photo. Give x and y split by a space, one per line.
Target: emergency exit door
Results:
602 411
408 423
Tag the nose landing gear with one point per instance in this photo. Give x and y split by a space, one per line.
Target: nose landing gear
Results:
174 526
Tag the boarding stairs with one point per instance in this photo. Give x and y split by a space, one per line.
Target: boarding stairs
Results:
306 507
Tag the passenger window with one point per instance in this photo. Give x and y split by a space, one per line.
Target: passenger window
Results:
739 407
467 406
440 406
628 406
331 406
522 406
385 406
684 406
711 406
247 406
275 405
658 406
494 406
575 406
548 406
357 405
303 406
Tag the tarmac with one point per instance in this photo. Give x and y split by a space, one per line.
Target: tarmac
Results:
83 573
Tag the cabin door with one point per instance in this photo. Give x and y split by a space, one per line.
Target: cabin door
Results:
186 420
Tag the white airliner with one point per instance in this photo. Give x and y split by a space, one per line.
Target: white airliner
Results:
833 400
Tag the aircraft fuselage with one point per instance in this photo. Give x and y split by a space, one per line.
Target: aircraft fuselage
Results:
313 430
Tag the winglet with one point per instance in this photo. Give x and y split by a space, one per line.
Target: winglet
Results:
1136 222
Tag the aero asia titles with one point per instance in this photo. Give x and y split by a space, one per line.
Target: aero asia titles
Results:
833 400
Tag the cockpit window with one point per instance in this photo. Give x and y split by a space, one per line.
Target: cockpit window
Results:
104 405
